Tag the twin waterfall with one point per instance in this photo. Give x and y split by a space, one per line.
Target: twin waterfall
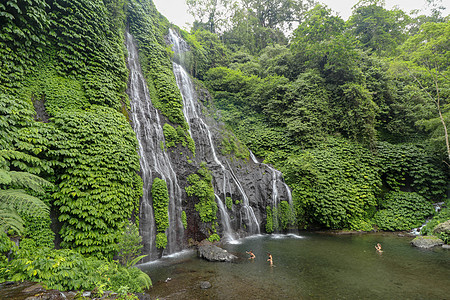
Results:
247 218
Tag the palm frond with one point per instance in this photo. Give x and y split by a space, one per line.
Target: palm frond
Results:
22 202
10 219
27 180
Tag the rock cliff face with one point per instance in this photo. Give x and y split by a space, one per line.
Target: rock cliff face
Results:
247 185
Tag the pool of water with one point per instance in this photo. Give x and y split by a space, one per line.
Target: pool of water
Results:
308 266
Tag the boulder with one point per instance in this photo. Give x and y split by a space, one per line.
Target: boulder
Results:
427 242
211 252
442 228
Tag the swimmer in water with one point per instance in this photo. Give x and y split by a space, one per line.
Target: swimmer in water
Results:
270 259
252 256
378 247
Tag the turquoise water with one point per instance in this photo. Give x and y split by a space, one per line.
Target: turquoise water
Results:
309 266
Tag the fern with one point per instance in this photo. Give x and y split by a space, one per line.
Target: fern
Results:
27 180
22 202
10 219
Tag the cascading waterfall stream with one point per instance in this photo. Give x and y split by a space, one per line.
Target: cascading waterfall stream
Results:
190 110
153 160
276 178
226 221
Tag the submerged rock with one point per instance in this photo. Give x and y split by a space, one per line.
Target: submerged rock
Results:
426 242
211 252
205 285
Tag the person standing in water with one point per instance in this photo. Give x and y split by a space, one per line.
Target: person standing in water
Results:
270 259
252 256
378 247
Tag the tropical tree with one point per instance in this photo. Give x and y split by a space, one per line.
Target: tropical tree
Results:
425 58
377 28
208 14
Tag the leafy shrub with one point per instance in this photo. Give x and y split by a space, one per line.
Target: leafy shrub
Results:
333 185
68 270
184 219
160 197
402 211
229 203
231 145
161 240
129 245
214 238
411 167
99 187
441 217
286 215
201 187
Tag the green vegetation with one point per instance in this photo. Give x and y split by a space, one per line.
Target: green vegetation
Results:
269 220
155 60
161 240
68 60
402 211
214 238
184 219
69 270
129 246
349 115
229 203
231 145
441 217
201 187
160 196
178 136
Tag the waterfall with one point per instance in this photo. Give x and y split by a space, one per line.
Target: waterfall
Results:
276 178
191 110
226 221
154 160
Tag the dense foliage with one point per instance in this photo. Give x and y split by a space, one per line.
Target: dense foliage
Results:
69 270
402 211
201 188
160 196
67 58
350 111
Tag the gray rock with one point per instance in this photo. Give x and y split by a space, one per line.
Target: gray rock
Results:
213 253
205 285
426 242
445 246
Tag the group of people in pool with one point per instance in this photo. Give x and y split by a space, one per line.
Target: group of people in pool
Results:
270 259
252 256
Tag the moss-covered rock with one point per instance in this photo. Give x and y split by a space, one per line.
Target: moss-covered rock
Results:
426 242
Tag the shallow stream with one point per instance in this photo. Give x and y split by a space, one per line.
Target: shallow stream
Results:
308 266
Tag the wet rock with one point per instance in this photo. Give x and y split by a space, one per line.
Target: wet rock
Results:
35 288
426 242
445 246
142 296
204 285
48 295
211 252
